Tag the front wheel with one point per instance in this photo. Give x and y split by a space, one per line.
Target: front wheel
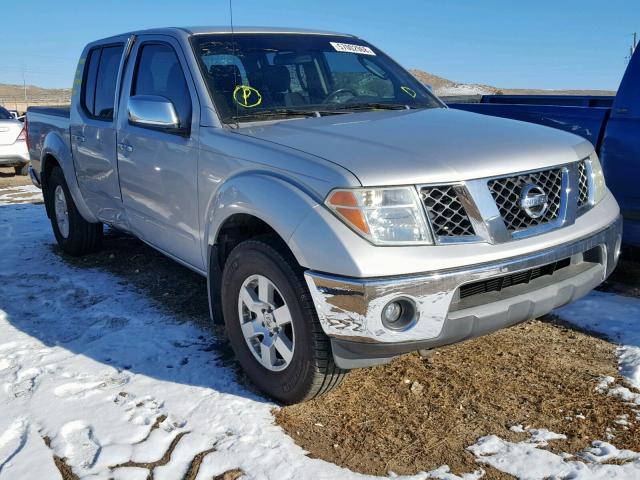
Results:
74 234
272 324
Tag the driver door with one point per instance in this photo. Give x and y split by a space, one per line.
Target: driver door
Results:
158 168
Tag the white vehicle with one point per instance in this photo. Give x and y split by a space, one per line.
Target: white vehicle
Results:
13 145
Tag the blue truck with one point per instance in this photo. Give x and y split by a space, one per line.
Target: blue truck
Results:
610 123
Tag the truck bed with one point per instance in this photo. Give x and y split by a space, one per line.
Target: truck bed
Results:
43 120
56 110
582 115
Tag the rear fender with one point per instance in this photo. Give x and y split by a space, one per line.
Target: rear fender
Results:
55 147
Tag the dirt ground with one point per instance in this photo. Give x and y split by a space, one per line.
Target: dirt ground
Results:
540 374
535 374
8 178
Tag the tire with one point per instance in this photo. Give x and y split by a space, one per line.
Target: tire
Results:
78 236
311 371
23 170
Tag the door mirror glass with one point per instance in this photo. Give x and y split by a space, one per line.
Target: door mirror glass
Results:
153 111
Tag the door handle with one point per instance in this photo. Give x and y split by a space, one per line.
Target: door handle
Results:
125 148
78 138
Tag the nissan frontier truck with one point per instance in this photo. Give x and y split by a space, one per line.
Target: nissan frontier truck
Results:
342 214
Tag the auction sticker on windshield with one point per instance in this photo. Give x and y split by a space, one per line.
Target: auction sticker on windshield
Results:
350 48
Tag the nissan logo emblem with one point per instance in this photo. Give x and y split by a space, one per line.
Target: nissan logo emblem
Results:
533 200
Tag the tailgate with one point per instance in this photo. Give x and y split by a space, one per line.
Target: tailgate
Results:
9 131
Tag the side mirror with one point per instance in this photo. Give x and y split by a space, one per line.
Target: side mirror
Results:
153 111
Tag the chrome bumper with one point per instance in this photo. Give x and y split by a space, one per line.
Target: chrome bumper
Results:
350 309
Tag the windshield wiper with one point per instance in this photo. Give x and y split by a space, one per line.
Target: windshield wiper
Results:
278 112
372 106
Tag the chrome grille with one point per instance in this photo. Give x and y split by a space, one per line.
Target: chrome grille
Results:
583 186
448 216
506 193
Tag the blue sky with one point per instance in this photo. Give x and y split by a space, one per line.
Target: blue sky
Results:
506 43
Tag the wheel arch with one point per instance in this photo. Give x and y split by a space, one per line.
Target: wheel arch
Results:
247 206
56 152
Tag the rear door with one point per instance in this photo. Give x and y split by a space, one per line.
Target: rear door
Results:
93 132
158 169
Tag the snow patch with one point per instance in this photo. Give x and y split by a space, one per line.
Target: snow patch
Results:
94 366
618 318
464 89
529 461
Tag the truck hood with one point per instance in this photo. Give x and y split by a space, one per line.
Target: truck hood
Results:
425 146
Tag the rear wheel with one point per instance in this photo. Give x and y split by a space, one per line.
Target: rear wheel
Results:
272 324
23 170
74 234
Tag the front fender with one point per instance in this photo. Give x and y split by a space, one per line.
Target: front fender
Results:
317 239
54 146
274 200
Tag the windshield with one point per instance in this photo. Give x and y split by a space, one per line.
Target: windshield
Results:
4 114
264 76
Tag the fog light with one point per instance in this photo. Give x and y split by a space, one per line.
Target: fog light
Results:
399 314
392 312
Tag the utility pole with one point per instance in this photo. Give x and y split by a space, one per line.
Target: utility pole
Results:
24 84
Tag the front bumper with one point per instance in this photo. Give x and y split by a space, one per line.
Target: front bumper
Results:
14 155
350 309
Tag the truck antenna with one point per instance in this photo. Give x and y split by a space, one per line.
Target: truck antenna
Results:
235 70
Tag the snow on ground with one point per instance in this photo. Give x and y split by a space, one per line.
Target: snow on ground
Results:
616 317
528 461
97 374
464 89
20 194
110 381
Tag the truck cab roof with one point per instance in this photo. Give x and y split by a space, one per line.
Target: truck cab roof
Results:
204 30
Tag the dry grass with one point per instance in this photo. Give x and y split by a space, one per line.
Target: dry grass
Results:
535 374
8 178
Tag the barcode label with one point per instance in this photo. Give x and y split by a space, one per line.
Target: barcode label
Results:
350 48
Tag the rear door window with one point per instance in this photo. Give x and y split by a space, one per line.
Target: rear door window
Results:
89 85
106 81
98 94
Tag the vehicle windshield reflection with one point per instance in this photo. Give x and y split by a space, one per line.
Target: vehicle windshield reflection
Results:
263 76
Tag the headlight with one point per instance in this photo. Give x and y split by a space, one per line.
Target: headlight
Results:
384 216
597 179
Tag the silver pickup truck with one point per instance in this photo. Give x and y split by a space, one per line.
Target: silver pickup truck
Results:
341 213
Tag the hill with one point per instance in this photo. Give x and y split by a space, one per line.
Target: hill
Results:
13 96
445 87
